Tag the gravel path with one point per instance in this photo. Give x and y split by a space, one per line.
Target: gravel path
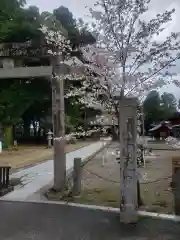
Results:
40 175
101 181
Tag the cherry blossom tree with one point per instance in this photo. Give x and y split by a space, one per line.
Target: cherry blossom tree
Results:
65 67
137 61
128 58
132 43
131 59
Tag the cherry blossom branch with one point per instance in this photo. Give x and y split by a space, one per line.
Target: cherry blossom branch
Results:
111 27
153 74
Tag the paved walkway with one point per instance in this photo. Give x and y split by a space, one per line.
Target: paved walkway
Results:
38 176
39 221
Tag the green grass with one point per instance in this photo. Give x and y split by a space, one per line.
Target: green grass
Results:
103 197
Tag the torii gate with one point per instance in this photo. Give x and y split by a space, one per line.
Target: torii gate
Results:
128 153
8 53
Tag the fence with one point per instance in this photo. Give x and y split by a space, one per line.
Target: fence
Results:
4 180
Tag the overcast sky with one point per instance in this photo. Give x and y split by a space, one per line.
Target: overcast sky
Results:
77 7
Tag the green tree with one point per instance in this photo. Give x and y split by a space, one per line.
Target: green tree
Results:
179 103
19 97
168 105
158 108
10 11
18 24
77 36
31 100
152 108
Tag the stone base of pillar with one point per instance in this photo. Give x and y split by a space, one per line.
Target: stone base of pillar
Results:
128 218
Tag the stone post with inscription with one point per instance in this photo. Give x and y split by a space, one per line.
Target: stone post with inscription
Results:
128 160
176 184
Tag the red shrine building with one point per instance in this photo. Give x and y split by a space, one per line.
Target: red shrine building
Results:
167 128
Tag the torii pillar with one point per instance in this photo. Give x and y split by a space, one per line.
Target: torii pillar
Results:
58 114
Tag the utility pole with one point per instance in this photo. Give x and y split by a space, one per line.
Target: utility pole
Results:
58 125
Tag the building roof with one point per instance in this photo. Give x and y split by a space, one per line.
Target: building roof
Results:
161 124
176 125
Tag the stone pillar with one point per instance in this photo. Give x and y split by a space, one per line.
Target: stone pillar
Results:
60 69
58 126
140 139
77 175
176 184
128 160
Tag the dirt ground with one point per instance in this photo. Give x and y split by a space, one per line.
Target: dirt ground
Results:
101 181
26 156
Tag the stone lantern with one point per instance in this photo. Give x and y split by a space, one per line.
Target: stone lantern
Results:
49 138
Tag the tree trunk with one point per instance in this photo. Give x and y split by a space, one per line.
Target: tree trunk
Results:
26 127
140 203
1 132
8 135
39 132
34 128
118 130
